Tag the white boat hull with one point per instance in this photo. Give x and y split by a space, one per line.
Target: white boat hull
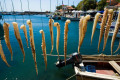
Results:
111 34
82 74
72 19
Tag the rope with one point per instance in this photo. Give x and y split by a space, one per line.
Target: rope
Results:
50 9
41 15
22 11
28 9
2 11
57 3
71 77
6 8
13 10
50 5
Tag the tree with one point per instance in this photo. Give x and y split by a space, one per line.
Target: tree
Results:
80 5
73 6
118 0
101 4
86 5
59 7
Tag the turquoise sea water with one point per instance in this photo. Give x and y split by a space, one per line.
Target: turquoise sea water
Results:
26 70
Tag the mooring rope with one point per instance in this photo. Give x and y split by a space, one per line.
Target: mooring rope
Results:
71 77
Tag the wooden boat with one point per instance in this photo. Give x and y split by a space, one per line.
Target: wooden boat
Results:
98 70
93 67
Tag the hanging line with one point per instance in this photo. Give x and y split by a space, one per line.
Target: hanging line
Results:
50 10
50 5
41 14
13 10
28 9
57 3
2 12
22 11
6 8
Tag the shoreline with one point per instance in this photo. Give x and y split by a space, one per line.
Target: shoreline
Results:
25 13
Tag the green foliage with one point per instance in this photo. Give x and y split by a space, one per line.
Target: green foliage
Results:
59 7
118 0
73 6
87 4
80 5
101 4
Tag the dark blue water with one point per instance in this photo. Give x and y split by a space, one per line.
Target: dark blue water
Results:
26 70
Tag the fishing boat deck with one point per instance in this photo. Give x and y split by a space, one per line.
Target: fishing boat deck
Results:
104 71
102 67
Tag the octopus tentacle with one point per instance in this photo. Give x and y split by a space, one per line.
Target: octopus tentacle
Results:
18 37
108 27
65 39
7 40
102 26
25 33
115 32
32 43
58 37
44 48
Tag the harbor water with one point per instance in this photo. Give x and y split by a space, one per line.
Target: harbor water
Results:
26 70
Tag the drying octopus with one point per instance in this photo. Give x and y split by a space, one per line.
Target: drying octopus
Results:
110 12
7 40
25 33
115 32
102 26
44 48
82 30
65 39
58 37
32 43
117 47
17 35
51 33
3 55
94 25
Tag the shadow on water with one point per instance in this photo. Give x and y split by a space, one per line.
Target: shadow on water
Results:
1 32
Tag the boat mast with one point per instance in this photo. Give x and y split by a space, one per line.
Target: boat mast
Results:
68 2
